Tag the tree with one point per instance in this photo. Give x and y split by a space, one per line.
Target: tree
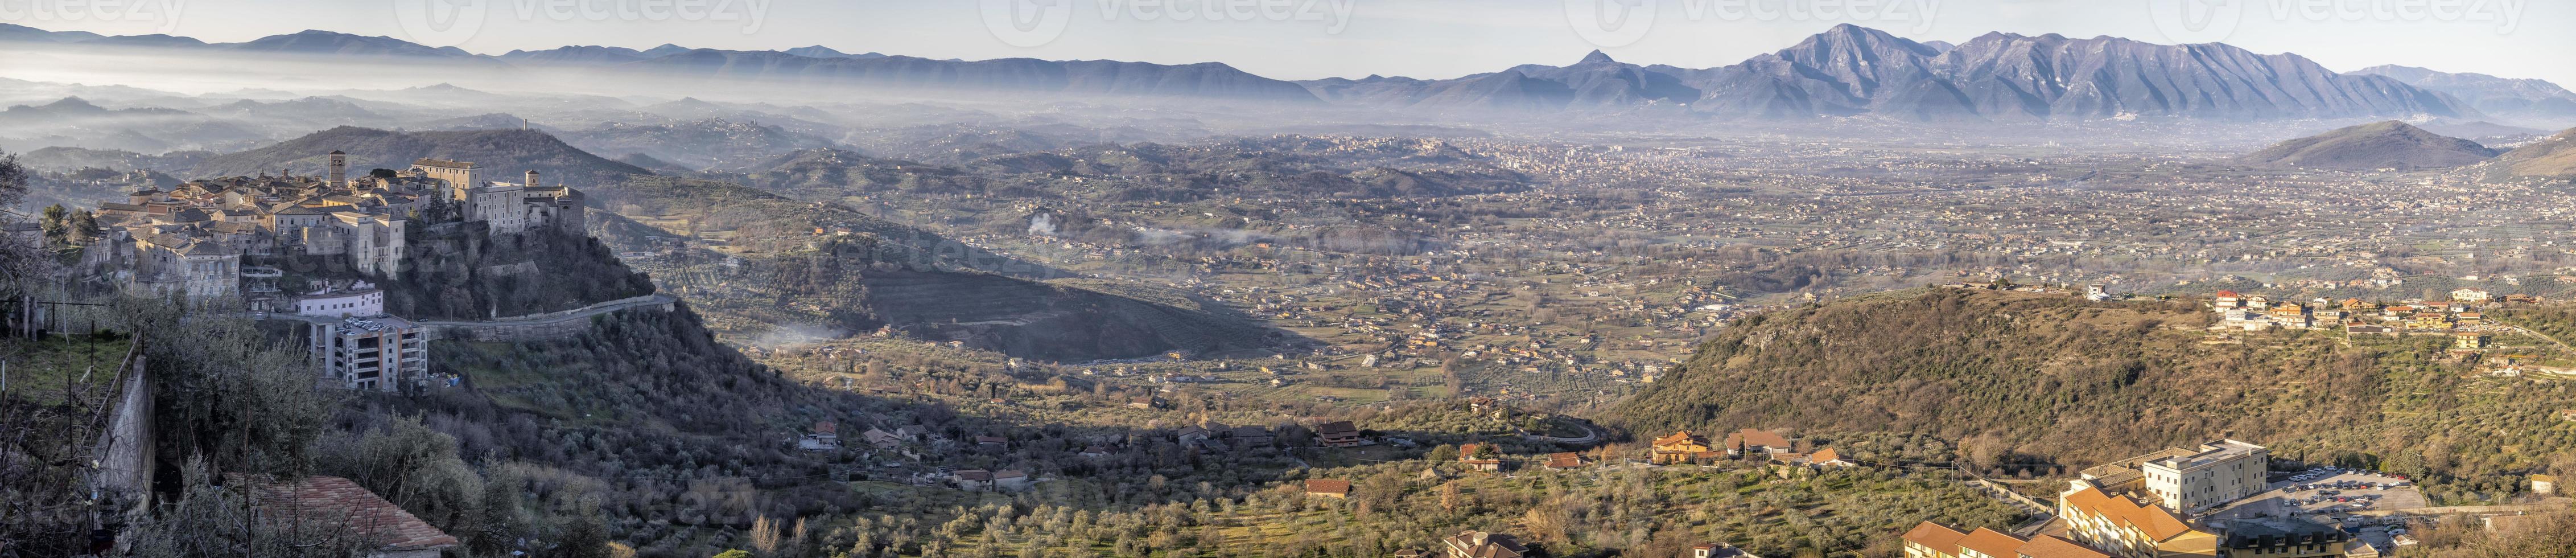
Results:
737 553
586 536
23 266
83 225
54 224
13 179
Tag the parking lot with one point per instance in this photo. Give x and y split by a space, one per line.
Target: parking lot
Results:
2327 496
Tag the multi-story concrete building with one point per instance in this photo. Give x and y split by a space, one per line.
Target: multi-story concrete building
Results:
2217 472
375 353
2187 480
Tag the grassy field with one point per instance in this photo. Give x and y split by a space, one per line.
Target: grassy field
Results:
40 371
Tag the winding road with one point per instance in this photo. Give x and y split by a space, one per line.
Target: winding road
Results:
657 299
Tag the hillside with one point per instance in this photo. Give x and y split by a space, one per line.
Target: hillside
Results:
503 152
2380 145
2555 156
756 261
713 142
2062 382
882 275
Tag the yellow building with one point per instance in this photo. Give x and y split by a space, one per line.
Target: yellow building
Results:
2470 341
1680 447
1933 540
2429 320
2130 529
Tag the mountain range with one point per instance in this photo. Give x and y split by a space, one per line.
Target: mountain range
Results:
2530 98
1845 71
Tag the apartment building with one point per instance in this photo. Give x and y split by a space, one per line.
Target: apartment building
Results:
2129 528
2187 480
2218 472
378 353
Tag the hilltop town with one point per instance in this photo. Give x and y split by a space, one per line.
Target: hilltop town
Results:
317 250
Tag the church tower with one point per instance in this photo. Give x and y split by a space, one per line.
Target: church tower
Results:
339 169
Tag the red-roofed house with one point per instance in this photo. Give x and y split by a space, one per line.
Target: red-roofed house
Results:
1338 434
1751 440
1328 488
333 500
1480 544
1483 457
1680 447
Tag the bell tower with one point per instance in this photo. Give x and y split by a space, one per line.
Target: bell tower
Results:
339 169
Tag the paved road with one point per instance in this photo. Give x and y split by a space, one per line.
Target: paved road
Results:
2528 331
1591 433
582 314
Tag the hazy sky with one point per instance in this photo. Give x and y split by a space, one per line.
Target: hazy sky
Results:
1298 39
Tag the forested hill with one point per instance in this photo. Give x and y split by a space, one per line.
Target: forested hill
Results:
2053 379
503 155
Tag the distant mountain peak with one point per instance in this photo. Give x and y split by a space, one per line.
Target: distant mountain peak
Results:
666 49
1597 57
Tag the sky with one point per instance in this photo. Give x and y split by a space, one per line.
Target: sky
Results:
1305 39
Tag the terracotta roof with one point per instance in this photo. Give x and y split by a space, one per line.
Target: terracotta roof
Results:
1328 486
1338 428
1467 453
442 163
1826 455
1748 437
1991 542
319 498
1480 544
1939 538
2157 523
1677 438
1566 460
2045 546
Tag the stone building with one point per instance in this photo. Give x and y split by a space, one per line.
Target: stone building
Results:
506 207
